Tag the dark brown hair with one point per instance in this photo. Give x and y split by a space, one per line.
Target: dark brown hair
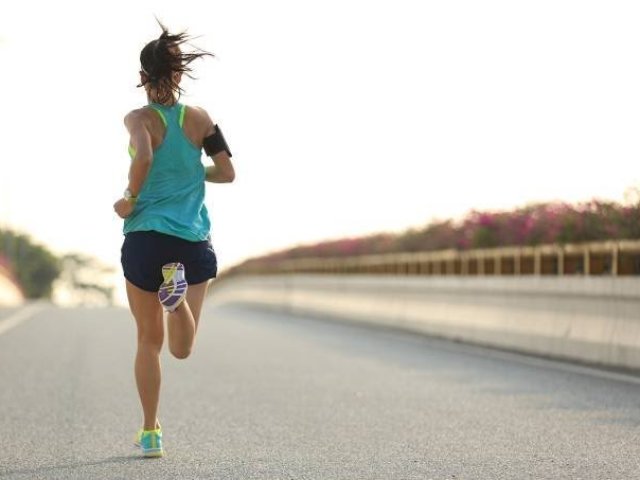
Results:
161 58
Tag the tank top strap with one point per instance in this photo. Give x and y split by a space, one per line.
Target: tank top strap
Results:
182 109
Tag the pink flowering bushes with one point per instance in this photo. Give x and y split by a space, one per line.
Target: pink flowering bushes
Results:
543 223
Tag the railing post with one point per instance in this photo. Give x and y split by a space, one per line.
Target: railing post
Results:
561 262
587 261
411 268
451 267
614 261
537 262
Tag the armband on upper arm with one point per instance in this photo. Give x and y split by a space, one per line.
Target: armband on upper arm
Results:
215 143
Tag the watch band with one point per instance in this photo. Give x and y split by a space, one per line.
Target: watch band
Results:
129 197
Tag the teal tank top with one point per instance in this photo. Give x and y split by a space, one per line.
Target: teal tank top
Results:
172 197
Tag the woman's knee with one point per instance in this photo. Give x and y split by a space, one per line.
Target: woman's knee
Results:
151 339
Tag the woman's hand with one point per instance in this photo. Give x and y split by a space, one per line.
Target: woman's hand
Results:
123 208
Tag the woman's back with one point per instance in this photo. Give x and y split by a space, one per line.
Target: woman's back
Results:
196 124
172 198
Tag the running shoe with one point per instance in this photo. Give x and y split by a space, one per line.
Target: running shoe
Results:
174 288
151 443
138 437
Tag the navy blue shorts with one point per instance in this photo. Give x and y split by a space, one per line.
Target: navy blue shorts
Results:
144 254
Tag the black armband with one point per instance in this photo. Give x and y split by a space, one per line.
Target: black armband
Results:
215 143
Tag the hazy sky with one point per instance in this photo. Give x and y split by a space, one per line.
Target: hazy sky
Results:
344 117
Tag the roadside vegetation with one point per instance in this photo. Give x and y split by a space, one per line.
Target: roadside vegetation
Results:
38 271
537 224
33 266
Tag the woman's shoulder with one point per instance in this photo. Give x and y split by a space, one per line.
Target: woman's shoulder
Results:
198 112
200 119
138 115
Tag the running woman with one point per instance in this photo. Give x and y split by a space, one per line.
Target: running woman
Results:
167 256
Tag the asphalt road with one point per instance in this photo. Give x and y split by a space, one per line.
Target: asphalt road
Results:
267 396
5 312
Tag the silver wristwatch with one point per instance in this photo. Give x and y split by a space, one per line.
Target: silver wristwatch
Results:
129 197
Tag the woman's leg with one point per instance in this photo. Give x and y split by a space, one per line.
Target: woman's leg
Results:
148 314
182 324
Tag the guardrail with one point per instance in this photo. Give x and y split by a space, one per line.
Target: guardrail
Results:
586 319
615 258
513 298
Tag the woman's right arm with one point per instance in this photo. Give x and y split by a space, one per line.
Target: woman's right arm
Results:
222 169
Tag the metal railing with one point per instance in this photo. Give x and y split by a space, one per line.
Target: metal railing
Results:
616 258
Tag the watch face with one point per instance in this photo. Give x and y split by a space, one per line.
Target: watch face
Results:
127 194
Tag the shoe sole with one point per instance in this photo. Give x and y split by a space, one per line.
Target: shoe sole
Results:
153 452
173 290
172 293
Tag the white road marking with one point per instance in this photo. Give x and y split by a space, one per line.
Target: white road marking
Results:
566 366
20 316
526 358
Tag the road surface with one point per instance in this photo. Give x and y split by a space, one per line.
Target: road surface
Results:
270 396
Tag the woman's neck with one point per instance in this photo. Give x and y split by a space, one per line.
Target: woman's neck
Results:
167 103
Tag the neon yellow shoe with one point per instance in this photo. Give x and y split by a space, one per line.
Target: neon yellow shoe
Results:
151 443
138 438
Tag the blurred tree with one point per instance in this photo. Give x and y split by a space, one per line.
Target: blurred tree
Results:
85 281
34 266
